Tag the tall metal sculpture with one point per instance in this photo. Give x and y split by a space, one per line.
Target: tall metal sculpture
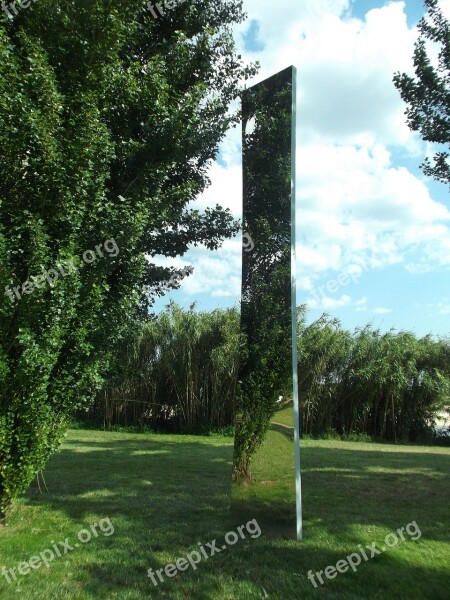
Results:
268 357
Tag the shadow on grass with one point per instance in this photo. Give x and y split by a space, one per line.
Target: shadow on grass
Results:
142 479
165 496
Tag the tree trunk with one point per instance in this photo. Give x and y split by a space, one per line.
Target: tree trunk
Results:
241 472
2 514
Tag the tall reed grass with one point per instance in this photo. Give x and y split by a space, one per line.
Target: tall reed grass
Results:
179 374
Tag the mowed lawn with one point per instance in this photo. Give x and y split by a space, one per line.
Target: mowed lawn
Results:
164 494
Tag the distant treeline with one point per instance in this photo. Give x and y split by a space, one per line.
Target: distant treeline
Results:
179 373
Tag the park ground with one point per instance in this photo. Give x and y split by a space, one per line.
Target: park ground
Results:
164 494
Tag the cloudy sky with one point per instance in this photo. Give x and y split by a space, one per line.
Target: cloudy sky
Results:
373 234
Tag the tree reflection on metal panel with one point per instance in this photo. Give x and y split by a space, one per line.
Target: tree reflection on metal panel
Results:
263 465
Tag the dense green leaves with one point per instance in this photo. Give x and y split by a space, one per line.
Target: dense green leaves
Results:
109 120
428 93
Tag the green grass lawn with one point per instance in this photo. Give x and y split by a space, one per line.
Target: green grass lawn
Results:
285 416
164 494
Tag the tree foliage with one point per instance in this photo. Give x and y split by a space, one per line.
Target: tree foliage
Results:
109 120
428 93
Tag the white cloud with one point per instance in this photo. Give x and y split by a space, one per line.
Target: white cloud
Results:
225 189
356 204
445 7
222 294
327 303
419 268
381 310
345 78
362 302
443 308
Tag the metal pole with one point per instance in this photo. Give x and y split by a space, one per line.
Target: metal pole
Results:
298 481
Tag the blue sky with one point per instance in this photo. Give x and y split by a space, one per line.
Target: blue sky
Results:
373 234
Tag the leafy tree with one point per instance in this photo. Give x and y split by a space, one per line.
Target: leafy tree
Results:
428 93
109 119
